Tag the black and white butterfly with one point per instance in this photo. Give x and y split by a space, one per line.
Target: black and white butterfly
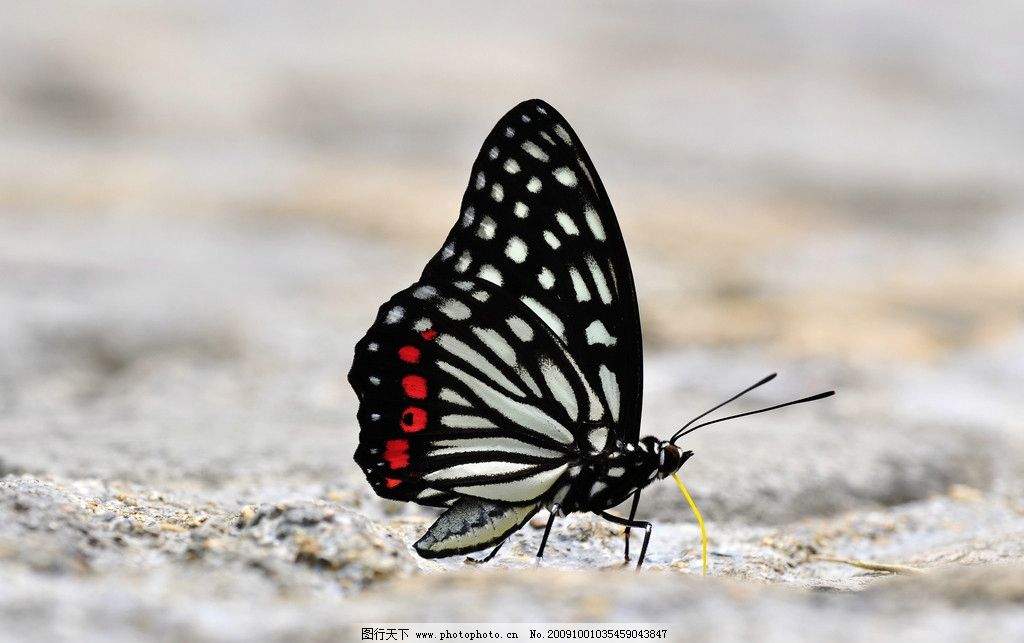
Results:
509 377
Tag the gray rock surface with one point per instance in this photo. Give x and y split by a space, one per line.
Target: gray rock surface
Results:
85 527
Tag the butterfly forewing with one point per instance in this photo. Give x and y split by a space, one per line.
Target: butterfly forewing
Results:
536 221
464 391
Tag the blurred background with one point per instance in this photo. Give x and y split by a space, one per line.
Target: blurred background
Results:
202 205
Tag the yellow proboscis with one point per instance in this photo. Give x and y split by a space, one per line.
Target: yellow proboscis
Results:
700 521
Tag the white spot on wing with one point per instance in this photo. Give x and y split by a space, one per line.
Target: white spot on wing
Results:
610 386
594 223
534 185
481 180
460 421
567 223
547 137
455 309
394 315
450 396
528 379
493 340
598 334
598 438
464 260
521 210
552 240
611 271
426 494
497 192
491 274
493 153
422 324
468 216
599 280
509 132
521 329
565 176
562 134
448 251
372 347
546 278
511 166
548 317
516 250
425 292
533 150
560 388
487 228
580 286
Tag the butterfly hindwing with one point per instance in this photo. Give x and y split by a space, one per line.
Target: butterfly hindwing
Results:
537 222
464 391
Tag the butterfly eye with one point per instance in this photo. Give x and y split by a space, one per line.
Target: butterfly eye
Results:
674 458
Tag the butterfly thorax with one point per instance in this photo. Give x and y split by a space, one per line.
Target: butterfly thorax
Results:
608 478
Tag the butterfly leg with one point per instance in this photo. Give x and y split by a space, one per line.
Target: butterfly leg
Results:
633 523
480 561
632 515
547 530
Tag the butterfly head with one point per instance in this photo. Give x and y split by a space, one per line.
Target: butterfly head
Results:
667 456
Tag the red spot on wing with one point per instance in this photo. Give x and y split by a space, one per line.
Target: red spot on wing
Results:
392 482
414 419
415 387
409 354
396 452
429 334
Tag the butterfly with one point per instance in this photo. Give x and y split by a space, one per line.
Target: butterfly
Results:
509 377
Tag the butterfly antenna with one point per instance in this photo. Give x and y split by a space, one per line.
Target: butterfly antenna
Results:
812 398
763 381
